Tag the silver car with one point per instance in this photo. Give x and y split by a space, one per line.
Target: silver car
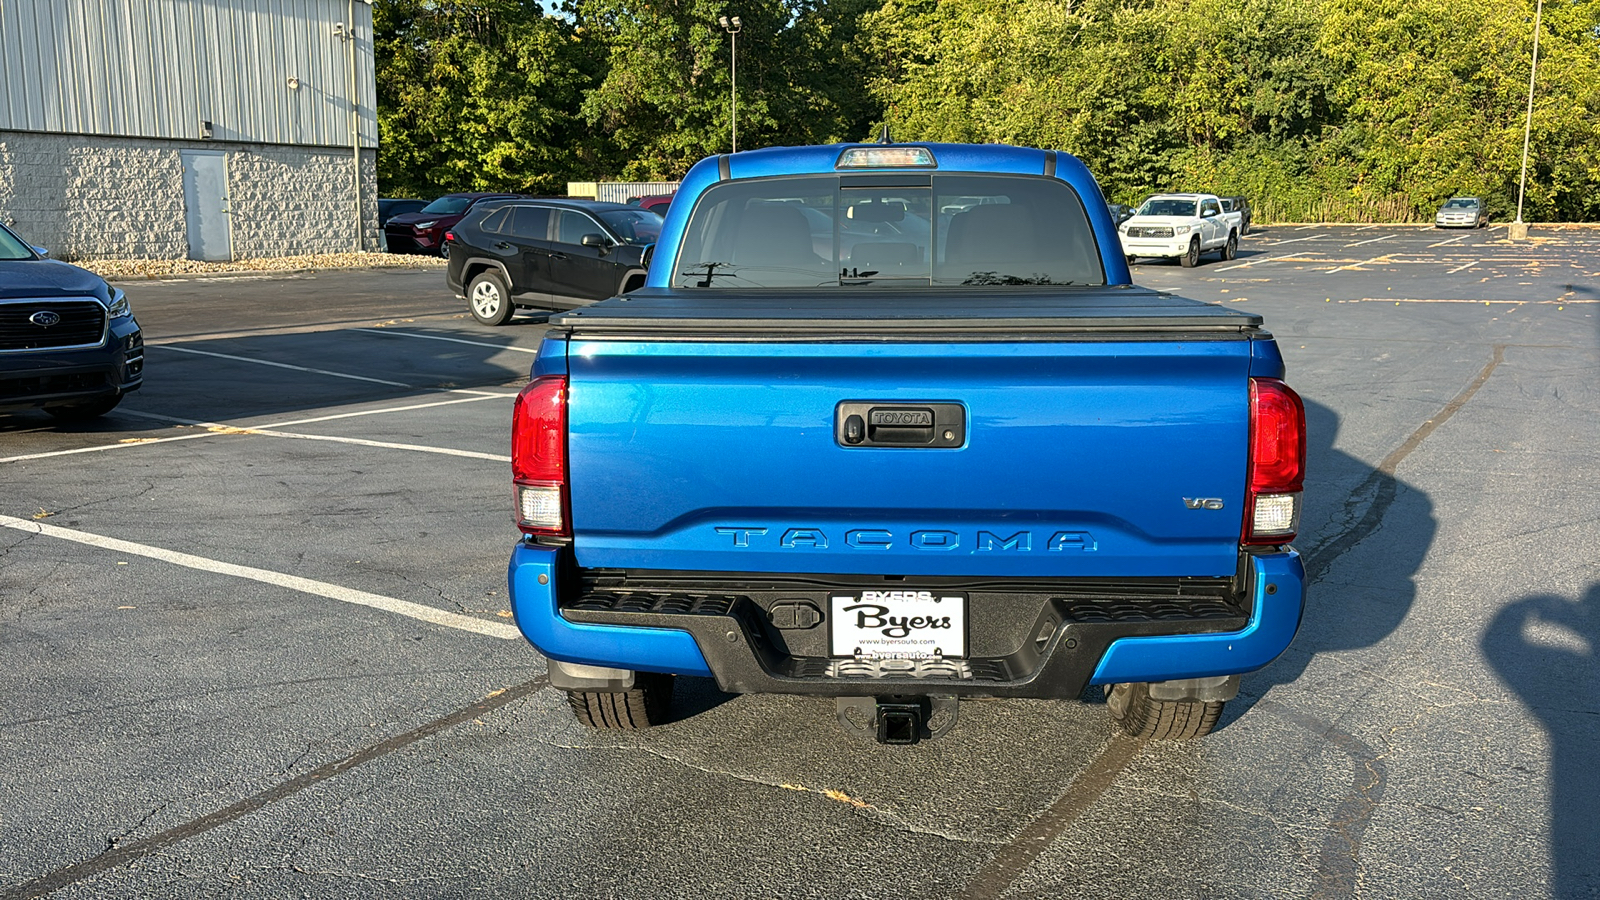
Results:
1461 212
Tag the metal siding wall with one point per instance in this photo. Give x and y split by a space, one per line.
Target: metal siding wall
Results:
158 68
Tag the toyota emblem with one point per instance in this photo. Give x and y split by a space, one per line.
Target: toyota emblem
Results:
44 318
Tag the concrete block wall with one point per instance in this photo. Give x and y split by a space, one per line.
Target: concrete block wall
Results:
94 197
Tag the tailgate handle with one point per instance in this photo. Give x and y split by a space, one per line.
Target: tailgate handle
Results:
866 423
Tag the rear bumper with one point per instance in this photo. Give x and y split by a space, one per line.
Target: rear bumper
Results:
39 378
723 640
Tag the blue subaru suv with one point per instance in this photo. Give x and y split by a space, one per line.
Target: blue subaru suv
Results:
68 342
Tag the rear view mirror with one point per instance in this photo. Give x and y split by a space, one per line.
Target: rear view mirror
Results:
880 211
596 240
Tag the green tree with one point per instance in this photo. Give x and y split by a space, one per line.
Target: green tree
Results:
666 97
483 95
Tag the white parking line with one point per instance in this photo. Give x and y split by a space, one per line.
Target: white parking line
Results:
1371 240
1467 266
1370 227
1306 227
1293 240
385 445
292 582
136 442
1365 262
435 337
223 429
271 431
278 365
1451 241
1244 264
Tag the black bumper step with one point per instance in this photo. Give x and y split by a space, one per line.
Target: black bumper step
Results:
1028 643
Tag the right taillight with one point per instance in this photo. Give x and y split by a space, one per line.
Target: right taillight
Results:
539 457
1277 463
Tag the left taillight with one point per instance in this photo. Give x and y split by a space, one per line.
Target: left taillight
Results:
1277 463
539 458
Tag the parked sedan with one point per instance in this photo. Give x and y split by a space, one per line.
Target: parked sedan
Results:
1461 212
550 254
423 231
68 341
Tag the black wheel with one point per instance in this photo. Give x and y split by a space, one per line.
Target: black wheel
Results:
1132 259
1192 258
444 250
81 412
1230 250
647 704
1244 227
1161 720
490 301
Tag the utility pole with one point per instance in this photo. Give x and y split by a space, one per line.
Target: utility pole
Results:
732 27
1519 229
346 33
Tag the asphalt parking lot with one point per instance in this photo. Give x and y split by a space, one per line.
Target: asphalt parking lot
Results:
256 640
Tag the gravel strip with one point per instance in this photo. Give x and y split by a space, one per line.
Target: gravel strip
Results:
163 268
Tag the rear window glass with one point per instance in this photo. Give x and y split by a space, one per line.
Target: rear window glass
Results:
828 231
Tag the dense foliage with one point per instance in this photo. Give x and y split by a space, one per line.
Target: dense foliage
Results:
1316 109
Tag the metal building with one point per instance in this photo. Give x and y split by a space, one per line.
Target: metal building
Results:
212 129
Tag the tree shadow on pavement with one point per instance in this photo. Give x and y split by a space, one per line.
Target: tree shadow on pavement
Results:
1544 648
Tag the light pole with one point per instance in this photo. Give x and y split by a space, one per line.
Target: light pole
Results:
1519 229
732 27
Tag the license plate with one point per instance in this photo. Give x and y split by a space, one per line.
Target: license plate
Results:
901 624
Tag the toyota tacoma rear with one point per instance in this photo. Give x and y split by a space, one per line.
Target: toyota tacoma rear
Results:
890 424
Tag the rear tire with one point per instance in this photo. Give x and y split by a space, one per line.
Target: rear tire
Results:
1192 258
82 412
1230 250
1160 720
489 299
648 703
1132 260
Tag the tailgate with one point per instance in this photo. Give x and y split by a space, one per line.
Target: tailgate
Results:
1079 458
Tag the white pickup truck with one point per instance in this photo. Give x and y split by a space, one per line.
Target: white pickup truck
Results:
1181 225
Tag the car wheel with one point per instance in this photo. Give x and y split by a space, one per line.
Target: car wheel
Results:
1191 258
1230 250
1244 227
444 250
82 412
1137 714
648 703
1132 260
489 299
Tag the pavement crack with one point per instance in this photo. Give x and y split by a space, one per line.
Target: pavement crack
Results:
866 810
113 840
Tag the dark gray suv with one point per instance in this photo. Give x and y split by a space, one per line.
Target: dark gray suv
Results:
547 254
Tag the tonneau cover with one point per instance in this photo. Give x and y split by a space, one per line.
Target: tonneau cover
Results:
1009 313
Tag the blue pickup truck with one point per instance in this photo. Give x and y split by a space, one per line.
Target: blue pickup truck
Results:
889 424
